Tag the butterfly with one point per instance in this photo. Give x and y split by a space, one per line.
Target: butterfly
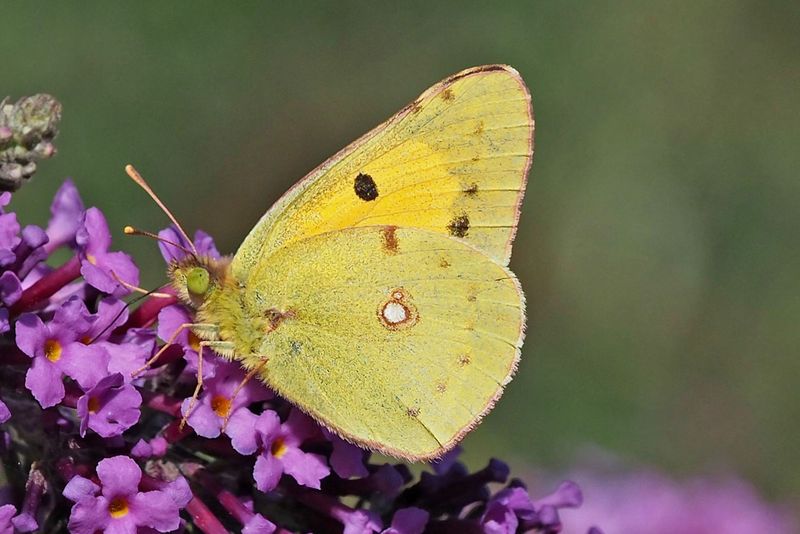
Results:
375 294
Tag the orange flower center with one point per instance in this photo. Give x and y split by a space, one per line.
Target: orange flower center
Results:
52 350
94 404
118 507
91 259
221 405
278 448
194 342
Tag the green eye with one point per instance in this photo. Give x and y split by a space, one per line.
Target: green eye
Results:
197 281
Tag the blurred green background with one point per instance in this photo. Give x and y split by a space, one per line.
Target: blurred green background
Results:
659 241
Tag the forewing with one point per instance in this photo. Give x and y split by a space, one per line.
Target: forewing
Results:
397 339
454 161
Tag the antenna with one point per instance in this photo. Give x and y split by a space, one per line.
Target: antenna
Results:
130 230
136 177
138 289
123 310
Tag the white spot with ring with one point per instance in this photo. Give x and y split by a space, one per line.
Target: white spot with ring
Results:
394 312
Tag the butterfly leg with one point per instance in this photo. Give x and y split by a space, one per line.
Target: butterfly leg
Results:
243 383
220 345
211 328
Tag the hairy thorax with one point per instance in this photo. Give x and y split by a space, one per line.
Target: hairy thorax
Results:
220 304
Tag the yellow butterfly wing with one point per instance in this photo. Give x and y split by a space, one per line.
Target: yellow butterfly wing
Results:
454 161
398 339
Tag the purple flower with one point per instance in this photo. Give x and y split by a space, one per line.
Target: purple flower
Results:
67 212
125 355
30 252
109 408
5 413
280 452
25 522
117 505
202 241
217 402
358 521
99 267
258 524
442 465
408 521
10 288
99 349
501 515
146 449
111 313
178 490
9 232
170 320
7 511
131 352
512 507
347 460
650 503
56 350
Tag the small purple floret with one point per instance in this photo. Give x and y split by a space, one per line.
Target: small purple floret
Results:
67 212
7 512
258 524
347 460
57 350
100 268
408 521
279 453
202 241
217 401
5 413
109 408
117 505
170 320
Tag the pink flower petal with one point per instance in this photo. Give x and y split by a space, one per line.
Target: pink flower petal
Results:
267 472
306 468
44 381
119 475
241 429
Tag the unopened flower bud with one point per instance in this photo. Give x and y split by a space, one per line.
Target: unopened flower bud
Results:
27 129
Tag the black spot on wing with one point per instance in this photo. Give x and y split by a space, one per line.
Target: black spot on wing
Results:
365 187
459 226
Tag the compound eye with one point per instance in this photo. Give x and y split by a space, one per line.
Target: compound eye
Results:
197 280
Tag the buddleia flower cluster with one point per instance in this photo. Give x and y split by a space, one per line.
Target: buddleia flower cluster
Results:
97 447
92 439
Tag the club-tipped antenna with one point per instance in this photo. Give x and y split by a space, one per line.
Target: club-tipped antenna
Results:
130 230
136 177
